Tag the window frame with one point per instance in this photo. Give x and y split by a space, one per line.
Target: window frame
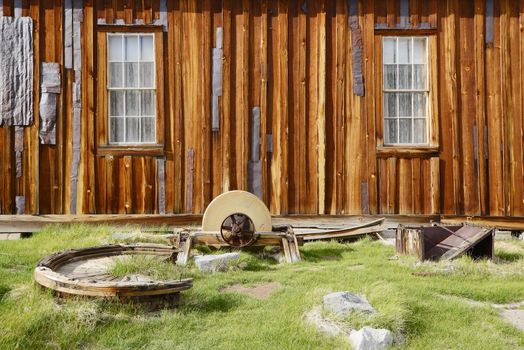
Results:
409 150
104 147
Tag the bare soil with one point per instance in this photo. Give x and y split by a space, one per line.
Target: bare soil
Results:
258 291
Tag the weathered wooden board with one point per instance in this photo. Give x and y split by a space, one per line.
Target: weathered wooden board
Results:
313 68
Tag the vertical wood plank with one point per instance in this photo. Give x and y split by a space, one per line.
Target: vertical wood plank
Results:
321 109
468 129
494 113
370 141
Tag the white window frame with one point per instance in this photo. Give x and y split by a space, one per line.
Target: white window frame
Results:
124 89
426 91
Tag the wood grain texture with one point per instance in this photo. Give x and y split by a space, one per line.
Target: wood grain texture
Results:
293 60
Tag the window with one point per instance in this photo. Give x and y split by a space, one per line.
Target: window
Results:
405 90
131 88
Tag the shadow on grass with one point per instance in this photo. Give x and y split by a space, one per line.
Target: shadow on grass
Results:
3 291
324 253
509 256
260 264
215 303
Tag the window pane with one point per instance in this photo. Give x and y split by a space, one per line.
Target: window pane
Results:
131 44
116 103
148 103
132 130
419 104
420 131
147 48
117 130
116 76
419 50
420 76
404 76
389 50
390 76
132 103
405 108
405 130
147 75
404 50
131 74
390 105
148 129
114 48
390 131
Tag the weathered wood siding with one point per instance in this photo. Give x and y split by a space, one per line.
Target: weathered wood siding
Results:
293 60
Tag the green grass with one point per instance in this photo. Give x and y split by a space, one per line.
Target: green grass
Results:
151 266
430 311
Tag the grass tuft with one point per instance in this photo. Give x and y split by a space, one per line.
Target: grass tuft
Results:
148 265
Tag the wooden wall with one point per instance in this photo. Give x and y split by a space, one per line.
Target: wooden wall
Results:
293 60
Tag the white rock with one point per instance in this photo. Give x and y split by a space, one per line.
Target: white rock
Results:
343 303
314 317
371 339
214 263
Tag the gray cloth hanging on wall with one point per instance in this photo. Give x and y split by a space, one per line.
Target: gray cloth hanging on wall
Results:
16 71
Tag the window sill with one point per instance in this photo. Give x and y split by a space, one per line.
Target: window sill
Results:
407 151
149 150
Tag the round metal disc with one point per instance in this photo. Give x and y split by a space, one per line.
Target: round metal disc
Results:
238 231
236 202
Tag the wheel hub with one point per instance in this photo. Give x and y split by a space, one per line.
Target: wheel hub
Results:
238 230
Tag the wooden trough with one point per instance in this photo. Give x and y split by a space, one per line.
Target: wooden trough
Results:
85 272
445 242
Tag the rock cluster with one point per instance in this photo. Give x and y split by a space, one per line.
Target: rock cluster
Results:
341 304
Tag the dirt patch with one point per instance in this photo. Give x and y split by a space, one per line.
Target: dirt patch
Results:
258 291
515 317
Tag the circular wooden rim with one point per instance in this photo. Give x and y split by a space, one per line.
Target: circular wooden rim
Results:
47 276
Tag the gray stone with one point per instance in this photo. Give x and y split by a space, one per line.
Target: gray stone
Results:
328 327
10 236
369 338
214 263
343 303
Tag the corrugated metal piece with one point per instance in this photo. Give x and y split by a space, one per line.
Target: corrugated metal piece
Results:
269 143
16 71
189 179
50 87
20 205
19 150
18 8
163 15
404 14
68 34
255 165
161 179
50 77
364 188
47 132
78 17
216 80
490 23
356 52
